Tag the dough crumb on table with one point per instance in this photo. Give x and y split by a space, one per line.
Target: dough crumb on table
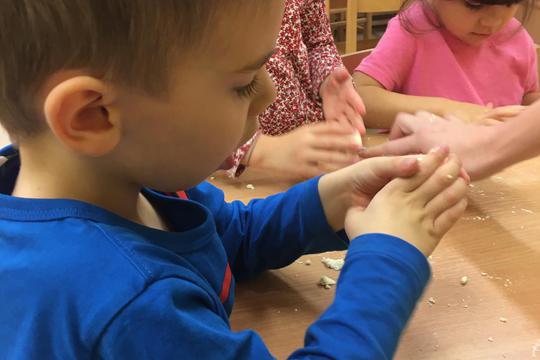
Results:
334 264
327 282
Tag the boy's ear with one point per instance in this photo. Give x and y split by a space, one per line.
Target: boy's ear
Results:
78 111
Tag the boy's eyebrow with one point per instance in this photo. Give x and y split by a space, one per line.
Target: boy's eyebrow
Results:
258 64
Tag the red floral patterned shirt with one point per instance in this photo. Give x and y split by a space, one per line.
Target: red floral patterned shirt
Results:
305 56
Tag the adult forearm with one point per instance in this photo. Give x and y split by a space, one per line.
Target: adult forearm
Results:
517 139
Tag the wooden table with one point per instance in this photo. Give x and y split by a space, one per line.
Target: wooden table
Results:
496 315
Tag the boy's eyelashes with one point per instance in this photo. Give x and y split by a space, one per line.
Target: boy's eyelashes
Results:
248 90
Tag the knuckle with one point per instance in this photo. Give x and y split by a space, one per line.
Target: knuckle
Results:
443 179
432 232
451 196
462 188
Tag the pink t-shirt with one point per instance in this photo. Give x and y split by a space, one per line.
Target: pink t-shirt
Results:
432 62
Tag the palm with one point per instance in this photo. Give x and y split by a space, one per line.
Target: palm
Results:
341 101
335 101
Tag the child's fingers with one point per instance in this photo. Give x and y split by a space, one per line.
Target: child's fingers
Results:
440 179
488 122
355 119
465 175
343 143
337 158
310 170
448 198
505 111
336 117
428 165
331 128
343 119
356 102
447 219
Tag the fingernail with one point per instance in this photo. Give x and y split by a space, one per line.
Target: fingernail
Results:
362 149
439 149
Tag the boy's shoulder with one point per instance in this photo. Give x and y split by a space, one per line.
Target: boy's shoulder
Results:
69 272
61 273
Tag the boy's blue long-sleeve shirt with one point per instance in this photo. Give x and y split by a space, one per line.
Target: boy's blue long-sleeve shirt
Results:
77 281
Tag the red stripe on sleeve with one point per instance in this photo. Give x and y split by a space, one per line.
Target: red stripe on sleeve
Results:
226 287
182 195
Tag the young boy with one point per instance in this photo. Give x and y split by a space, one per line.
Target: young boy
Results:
109 98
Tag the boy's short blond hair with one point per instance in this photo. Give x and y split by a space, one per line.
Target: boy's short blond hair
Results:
128 42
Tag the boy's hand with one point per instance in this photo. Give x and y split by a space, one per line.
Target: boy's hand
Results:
308 151
341 101
356 185
419 209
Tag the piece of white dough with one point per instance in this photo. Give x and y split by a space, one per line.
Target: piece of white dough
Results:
358 138
327 282
334 264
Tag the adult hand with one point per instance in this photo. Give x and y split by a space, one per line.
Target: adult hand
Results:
417 134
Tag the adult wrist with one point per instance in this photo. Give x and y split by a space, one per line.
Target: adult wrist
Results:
494 147
506 145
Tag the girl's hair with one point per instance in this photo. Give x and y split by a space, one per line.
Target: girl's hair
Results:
407 24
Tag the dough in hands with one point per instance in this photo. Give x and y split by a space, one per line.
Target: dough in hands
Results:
358 138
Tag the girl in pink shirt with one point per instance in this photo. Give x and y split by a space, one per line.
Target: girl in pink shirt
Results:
464 57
